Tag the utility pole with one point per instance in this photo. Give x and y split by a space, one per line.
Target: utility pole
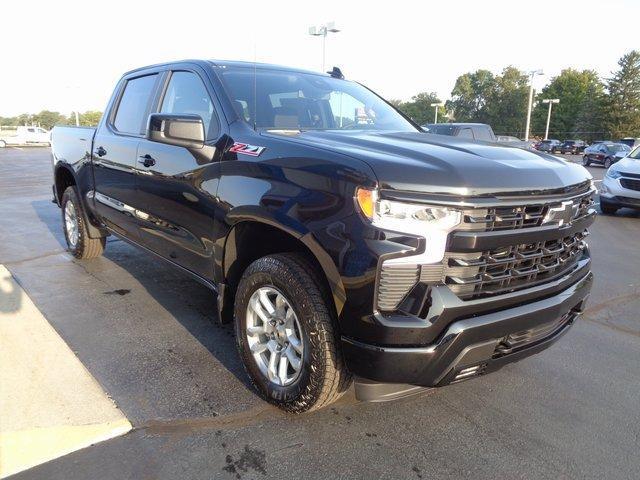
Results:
532 74
436 105
323 31
550 101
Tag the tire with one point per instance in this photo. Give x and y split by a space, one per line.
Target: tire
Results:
607 162
586 161
607 208
3 144
79 244
322 376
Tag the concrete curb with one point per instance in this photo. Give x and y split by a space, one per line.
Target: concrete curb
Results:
50 405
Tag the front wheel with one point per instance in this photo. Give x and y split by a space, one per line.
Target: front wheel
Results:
75 231
586 161
287 336
608 162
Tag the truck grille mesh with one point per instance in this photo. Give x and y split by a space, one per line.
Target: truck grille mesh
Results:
513 267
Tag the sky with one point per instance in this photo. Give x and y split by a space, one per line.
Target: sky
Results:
65 55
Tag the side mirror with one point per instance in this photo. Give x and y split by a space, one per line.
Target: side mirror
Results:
181 130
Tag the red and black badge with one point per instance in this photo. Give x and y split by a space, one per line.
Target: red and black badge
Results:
245 149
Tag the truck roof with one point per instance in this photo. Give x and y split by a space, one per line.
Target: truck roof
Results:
230 63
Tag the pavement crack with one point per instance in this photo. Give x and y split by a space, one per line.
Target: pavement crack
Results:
30 259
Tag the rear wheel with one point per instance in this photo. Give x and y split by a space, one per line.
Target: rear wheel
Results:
286 334
586 161
75 230
3 144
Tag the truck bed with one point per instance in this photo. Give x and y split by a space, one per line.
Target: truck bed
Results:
71 144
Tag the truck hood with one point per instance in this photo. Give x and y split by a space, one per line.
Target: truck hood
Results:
421 162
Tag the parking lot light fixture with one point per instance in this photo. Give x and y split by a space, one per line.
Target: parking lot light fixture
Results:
323 31
550 101
532 74
436 105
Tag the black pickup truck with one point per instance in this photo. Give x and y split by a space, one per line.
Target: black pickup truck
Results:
344 242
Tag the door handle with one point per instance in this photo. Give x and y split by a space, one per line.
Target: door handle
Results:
147 160
101 152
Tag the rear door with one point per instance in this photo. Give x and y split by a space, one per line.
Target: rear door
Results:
177 189
114 153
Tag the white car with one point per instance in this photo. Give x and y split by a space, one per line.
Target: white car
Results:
24 135
621 184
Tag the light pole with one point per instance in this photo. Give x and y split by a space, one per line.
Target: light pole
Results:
323 31
550 101
436 105
532 74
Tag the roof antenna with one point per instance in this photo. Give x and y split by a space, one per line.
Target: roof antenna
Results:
255 86
335 72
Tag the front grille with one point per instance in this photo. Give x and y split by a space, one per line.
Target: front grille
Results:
630 183
508 268
504 269
517 217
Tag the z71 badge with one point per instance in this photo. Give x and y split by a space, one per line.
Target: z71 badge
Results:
245 149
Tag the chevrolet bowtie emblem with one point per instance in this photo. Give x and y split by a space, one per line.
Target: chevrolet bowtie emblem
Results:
562 213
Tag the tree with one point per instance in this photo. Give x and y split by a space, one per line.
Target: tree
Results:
589 124
470 95
506 106
579 93
47 119
623 101
419 108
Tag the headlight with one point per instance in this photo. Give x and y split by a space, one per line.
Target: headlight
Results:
611 173
431 222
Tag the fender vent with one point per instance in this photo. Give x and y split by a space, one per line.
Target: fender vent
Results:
394 284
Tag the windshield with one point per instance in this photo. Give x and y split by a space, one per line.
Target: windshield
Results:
282 100
635 154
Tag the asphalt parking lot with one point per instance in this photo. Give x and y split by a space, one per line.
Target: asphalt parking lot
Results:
148 334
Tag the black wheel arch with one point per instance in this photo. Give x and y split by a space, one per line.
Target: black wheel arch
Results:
250 239
64 176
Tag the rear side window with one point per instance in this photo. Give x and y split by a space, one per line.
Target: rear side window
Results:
187 94
134 104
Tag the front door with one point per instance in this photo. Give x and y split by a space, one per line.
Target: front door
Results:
177 187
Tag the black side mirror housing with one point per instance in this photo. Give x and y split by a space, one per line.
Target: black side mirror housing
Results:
182 130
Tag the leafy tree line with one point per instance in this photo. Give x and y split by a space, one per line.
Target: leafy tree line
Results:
590 108
47 119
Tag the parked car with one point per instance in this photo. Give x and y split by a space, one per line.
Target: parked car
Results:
604 153
630 141
24 135
621 184
574 147
551 146
473 131
342 241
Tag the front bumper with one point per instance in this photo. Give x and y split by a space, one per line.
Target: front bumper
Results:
613 193
473 345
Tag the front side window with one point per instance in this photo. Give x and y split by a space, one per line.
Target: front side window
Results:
277 99
187 94
134 104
